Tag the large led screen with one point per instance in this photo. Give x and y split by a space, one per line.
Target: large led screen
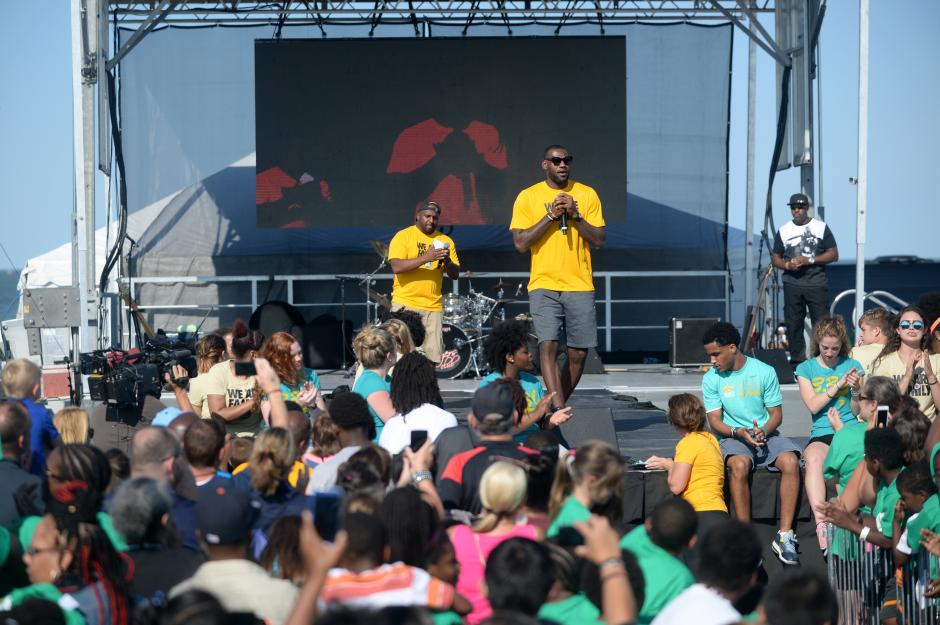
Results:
356 133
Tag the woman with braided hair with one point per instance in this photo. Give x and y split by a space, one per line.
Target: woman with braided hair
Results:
414 394
69 557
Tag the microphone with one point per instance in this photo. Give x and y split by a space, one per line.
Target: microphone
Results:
564 223
438 245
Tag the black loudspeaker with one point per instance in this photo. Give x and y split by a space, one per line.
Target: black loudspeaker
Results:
276 316
776 358
589 424
685 341
324 342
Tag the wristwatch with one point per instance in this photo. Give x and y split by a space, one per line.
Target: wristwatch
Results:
420 476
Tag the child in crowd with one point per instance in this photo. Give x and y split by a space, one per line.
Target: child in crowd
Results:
72 425
443 565
876 329
325 441
698 471
587 481
657 545
22 380
364 578
565 602
915 484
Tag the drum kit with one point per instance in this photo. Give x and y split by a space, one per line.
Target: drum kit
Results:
464 318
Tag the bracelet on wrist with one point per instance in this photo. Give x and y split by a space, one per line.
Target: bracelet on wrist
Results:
277 390
613 574
932 383
611 562
863 535
734 432
420 476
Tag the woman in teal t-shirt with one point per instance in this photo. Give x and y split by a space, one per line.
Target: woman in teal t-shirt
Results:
298 383
829 383
375 350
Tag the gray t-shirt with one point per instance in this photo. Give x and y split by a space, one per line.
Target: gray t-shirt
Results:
809 240
324 475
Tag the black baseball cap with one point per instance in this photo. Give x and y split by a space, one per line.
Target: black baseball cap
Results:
798 199
493 403
226 513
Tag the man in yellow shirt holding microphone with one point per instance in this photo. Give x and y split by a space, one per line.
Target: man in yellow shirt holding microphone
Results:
420 255
559 220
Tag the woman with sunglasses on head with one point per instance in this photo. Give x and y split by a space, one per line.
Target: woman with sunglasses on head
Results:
906 358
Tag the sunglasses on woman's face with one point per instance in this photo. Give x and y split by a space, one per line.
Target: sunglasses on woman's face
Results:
917 325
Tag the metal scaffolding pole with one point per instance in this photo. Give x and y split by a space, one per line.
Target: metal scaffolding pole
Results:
749 269
84 73
861 189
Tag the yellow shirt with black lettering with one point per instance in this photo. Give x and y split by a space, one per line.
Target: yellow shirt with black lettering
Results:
559 262
421 287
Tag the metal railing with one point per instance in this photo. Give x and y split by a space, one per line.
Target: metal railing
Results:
882 298
863 575
606 278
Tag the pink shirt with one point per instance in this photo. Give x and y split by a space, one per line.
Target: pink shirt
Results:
472 550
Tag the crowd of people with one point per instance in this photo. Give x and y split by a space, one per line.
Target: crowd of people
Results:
264 499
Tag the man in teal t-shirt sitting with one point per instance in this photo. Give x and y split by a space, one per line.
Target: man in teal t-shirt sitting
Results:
657 545
745 409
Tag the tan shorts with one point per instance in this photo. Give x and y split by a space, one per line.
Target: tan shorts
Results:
433 346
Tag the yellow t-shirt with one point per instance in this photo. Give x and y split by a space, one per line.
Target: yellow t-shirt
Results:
421 287
866 355
559 262
706 488
919 390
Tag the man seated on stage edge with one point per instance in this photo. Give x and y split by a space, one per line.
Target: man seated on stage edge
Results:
744 407
420 255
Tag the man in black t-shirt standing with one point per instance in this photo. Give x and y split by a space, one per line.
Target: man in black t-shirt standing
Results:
801 247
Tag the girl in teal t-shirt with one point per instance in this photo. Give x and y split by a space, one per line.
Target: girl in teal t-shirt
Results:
829 384
588 480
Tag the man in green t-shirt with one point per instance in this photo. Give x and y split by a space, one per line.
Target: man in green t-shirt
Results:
657 544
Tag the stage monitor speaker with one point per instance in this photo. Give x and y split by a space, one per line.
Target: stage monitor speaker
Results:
324 341
276 316
590 424
776 358
685 341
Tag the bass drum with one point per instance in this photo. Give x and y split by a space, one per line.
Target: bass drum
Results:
457 351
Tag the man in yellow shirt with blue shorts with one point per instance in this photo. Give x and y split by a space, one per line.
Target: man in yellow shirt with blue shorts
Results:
420 255
559 220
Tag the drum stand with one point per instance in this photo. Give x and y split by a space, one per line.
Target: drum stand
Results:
367 283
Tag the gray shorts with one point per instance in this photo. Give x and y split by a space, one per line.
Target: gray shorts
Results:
573 309
763 456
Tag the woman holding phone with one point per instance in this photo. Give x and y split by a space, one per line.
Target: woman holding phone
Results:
829 380
230 389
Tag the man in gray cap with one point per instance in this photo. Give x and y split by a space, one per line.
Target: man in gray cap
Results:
494 416
801 247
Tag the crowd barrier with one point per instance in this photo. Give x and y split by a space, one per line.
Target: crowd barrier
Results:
864 577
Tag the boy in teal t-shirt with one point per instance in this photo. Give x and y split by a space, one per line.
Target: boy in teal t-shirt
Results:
657 545
822 378
743 395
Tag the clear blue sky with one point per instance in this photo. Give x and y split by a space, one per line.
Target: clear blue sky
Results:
904 131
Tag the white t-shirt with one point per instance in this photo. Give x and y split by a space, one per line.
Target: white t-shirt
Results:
698 604
396 435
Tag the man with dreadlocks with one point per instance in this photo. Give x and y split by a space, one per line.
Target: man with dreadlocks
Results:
414 394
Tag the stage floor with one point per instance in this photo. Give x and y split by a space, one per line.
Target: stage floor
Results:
641 432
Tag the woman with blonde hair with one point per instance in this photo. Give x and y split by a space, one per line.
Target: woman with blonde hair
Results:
375 351
502 493
829 381
588 480
272 458
72 424
404 343
210 351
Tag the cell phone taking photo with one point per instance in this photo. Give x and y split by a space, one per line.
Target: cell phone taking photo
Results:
882 420
245 368
418 438
327 508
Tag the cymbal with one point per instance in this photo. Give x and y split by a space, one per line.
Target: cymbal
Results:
375 296
380 248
